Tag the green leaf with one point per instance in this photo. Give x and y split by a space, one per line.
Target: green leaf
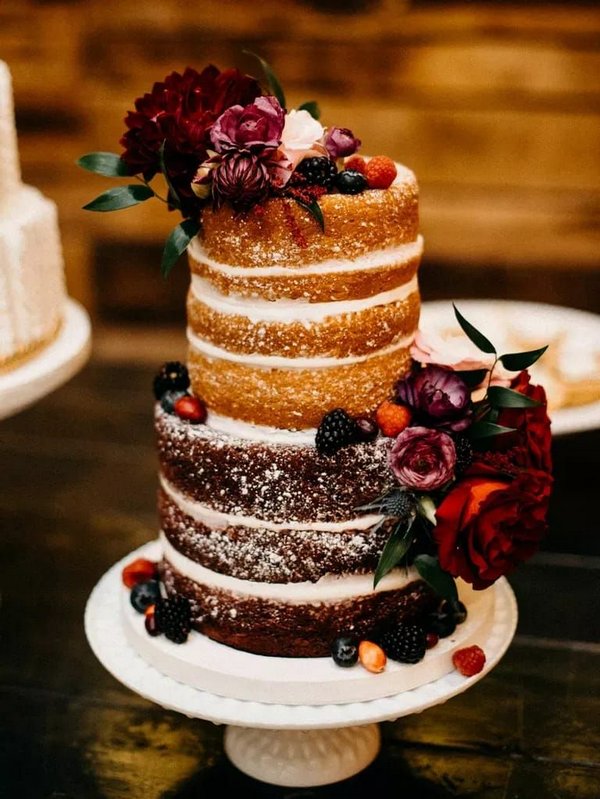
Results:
481 342
312 107
500 397
121 197
272 81
314 209
176 243
442 583
484 429
108 164
394 550
517 361
174 199
473 377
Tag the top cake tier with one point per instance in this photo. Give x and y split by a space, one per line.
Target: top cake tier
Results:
287 322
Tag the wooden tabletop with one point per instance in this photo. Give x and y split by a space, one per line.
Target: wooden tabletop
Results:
77 492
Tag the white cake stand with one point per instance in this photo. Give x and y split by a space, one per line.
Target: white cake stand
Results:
289 745
54 365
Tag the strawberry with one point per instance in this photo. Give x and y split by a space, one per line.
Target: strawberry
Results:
380 172
469 661
191 409
139 571
392 418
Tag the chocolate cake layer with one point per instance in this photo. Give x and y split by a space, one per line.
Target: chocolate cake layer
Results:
293 396
269 627
338 335
267 555
272 481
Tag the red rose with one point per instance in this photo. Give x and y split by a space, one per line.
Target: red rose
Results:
486 527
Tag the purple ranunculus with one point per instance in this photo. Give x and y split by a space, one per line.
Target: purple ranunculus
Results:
241 179
341 142
423 459
439 397
255 128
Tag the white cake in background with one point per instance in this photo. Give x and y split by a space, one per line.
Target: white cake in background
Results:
32 289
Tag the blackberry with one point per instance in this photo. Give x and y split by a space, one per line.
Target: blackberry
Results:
344 650
405 643
336 430
349 181
318 171
173 617
464 453
144 594
173 376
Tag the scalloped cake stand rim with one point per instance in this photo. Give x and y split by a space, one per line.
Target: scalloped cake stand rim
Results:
106 636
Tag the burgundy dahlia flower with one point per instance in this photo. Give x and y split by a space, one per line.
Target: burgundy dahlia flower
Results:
439 397
423 459
241 179
256 128
179 112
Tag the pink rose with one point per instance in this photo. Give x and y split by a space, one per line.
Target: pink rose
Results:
423 459
255 128
301 137
458 353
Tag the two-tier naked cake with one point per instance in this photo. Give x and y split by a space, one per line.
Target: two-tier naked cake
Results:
32 291
320 490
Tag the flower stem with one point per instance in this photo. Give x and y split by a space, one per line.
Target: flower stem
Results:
145 182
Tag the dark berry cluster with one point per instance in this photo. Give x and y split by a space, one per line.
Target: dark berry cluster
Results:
336 430
173 618
405 643
173 376
319 171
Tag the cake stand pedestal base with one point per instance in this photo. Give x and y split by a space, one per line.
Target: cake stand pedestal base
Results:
291 745
302 758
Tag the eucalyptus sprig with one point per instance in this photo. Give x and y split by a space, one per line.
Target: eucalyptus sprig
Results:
111 165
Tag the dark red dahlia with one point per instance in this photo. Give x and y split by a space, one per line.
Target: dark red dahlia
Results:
180 111
241 179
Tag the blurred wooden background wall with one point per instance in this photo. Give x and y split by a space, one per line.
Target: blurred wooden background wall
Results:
494 105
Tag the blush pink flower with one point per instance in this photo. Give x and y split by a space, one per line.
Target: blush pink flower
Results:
458 353
423 459
302 137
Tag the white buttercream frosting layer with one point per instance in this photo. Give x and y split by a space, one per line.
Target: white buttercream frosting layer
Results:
373 260
256 432
289 311
331 588
281 362
218 520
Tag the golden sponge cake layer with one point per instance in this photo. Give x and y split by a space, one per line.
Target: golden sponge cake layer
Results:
293 393
282 232
329 280
294 329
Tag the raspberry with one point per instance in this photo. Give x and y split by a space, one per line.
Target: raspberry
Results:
336 430
380 172
173 617
191 409
469 661
173 376
404 643
356 163
319 171
392 418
